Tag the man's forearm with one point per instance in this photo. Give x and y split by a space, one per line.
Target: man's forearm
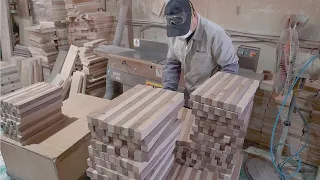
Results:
171 74
231 68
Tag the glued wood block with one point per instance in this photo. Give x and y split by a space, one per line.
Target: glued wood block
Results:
76 84
226 91
69 62
58 65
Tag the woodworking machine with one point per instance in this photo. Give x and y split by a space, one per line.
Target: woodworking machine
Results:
145 63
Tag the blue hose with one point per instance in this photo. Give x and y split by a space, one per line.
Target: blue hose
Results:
279 170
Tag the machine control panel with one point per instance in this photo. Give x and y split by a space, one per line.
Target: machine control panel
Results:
248 57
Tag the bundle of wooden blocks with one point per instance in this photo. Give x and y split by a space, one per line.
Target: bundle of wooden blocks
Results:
188 173
47 10
311 154
222 108
9 77
135 135
22 51
30 112
42 45
94 67
184 142
260 104
88 22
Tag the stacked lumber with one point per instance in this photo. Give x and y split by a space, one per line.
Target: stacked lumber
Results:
222 107
184 142
9 77
88 22
62 36
260 104
42 45
94 67
135 135
22 51
47 10
311 154
28 112
188 173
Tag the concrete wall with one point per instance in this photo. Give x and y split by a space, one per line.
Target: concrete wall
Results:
254 16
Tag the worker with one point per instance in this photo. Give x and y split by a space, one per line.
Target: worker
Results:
197 46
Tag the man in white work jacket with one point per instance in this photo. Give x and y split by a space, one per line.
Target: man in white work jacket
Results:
197 46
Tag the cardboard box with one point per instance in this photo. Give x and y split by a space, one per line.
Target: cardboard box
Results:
61 154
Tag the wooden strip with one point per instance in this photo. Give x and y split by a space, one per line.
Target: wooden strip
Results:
219 100
215 89
170 134
182 173
69 62
76 84
106 116
171 107
199 92
126 117
130 126
165 169
235 97
161 168
151 139
243 103
58 65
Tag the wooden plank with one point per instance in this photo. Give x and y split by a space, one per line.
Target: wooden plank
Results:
58 65
69 62
76 84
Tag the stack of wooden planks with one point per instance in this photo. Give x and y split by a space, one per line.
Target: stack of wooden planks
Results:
311 154
29 112
188 173
260 105
9 77
94 67
62 36
135 135
47 10
42 45
88 22
222 107
20 50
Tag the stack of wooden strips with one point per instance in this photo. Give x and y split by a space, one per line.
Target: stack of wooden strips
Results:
62 35
88 22
30 71
184 143
22 51
260 104
188 173
222 107
42 45
47 10
94 67
135 135
29 112
9 77
311 154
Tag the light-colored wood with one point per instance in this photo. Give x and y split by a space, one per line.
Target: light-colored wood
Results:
58 65
69 62
76 84
243 103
